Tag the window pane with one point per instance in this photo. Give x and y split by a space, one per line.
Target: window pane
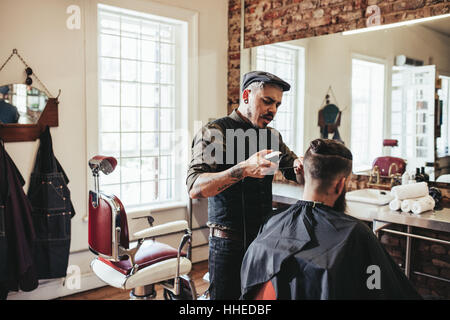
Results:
150 51
166 168
150 144
110 69
150 72
165 190
167 97
149 169
167 74
110 119
131 168
110 144
109 45
129 48
150 95
167 53
129 70
109 93
130 27
148 191
109 23
166 143
130 94
150 119
131 193
131 119
167 120
130 144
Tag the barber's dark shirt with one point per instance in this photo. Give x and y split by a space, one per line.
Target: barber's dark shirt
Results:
225 210
8 112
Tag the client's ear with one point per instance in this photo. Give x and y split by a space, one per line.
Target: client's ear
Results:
340 185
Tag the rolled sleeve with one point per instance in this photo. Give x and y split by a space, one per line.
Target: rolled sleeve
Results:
207 152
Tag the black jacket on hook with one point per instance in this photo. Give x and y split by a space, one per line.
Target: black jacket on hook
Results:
52 212
17 235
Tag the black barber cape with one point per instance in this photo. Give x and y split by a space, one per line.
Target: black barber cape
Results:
311 251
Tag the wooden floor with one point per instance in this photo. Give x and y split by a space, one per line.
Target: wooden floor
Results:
111 293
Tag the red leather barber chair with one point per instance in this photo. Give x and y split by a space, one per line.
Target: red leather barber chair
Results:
390 165
138 265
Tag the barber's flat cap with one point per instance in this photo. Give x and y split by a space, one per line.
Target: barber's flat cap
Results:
265 77
4 89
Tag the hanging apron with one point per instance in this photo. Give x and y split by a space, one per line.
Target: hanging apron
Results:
3 243
52 212
17 236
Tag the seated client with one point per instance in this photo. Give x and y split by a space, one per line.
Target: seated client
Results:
313 250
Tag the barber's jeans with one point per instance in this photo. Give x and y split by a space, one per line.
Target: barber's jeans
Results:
225 259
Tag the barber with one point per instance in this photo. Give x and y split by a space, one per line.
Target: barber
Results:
8 112
239 185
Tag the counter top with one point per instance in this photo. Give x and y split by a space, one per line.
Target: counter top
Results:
438 220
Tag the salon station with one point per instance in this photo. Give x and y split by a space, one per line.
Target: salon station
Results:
114 116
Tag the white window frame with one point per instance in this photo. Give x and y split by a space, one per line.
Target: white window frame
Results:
386 116
189 97
299 86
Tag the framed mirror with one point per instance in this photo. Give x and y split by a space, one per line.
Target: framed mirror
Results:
22 104
25 110
391 86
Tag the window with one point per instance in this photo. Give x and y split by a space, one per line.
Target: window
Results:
368 83
140 84
444 100
412 114
286 62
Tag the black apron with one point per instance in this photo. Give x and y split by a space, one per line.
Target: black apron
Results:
52 212
17 236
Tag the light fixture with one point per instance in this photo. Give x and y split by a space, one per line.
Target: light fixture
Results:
394 25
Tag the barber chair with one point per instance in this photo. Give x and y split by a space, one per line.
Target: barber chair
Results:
390 165
138 265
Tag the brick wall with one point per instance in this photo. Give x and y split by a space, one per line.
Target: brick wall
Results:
270 21
427 257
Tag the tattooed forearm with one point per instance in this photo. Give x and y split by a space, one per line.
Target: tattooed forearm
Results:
225 186
212 183
237 173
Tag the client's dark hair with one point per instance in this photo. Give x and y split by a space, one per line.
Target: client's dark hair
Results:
325 160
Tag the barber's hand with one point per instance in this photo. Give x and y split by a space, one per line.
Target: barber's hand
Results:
299 172
258 167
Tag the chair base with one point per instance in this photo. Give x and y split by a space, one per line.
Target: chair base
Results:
143 293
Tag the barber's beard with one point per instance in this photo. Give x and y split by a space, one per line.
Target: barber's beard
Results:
341 204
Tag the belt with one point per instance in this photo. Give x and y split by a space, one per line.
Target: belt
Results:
224 234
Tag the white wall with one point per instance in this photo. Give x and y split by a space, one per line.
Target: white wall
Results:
57 55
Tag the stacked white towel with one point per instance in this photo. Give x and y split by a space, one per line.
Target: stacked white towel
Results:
395 204
423 204
407 205
411 197
410 191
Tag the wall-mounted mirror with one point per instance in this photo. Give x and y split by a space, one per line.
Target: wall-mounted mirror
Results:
25 111
391 84
22 104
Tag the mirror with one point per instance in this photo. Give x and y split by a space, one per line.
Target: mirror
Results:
391 87
21 104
